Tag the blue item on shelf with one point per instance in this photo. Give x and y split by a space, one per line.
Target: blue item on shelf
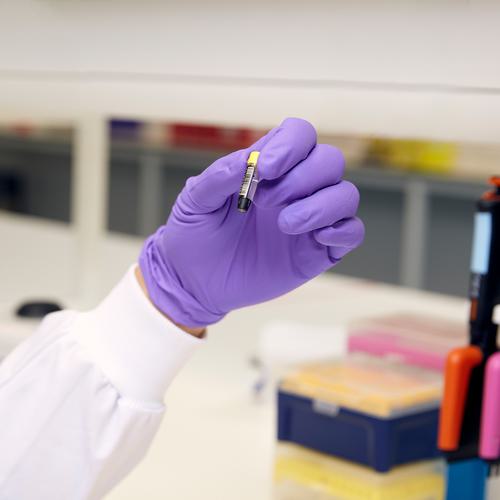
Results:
380 443
128 130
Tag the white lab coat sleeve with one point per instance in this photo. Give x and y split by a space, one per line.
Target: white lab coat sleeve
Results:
81 400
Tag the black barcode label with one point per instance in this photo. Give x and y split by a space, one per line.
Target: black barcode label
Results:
247 181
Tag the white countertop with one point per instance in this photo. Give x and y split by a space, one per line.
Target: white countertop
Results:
215 442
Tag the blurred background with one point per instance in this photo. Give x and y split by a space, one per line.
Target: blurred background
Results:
409 91
418 195
108 106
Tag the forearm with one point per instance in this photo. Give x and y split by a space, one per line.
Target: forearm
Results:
81 400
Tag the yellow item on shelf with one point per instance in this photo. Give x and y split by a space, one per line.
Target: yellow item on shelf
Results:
415 155
307 475
367 384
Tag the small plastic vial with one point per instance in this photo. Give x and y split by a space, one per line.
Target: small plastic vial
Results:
249 184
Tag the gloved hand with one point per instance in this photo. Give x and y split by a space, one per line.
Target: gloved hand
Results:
210 258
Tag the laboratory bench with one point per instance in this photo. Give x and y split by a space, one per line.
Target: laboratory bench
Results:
419 227
216 440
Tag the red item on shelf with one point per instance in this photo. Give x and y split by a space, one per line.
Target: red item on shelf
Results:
210 136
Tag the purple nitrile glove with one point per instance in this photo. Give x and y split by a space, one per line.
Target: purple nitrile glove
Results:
210 258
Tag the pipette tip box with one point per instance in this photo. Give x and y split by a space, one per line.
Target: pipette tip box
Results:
307 475
417 340
379 413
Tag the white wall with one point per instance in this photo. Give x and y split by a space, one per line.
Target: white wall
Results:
423 68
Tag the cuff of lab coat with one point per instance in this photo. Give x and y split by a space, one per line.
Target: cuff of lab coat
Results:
138 349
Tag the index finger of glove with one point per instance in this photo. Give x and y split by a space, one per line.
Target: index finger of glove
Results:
291 143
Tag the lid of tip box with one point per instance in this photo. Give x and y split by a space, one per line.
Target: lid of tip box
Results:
381 387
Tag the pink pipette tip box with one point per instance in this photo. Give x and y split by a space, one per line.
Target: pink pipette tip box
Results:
417 340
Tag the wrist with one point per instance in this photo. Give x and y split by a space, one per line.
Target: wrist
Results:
169 283
195 331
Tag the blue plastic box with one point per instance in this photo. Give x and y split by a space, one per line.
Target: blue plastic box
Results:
380 443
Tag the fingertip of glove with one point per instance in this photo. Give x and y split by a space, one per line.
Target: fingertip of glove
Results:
302 126
348 233
293 221
336 253
285 223
290 144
